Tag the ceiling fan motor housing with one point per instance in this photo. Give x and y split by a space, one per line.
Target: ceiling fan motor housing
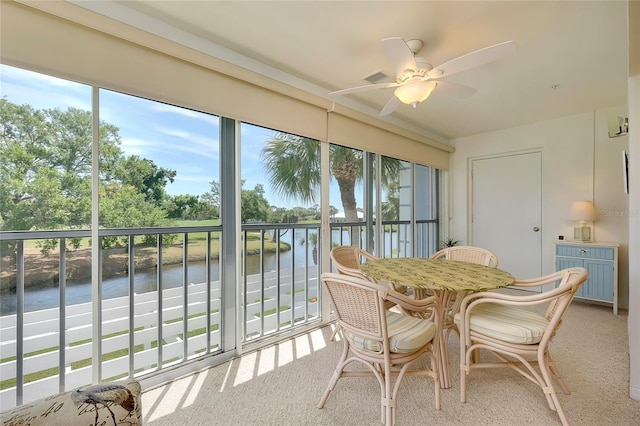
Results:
415 45
423 68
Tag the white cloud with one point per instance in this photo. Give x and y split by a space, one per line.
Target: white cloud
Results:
11 73
43 92
160 107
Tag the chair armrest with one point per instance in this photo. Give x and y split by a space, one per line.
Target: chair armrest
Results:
546 279
368 255
512 299
428 305
569 280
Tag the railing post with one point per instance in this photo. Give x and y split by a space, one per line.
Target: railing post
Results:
132 311
62 285
20 323
185 288
160 304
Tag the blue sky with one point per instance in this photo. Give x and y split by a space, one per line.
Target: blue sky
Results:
175 138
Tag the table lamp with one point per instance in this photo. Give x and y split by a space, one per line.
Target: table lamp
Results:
583 212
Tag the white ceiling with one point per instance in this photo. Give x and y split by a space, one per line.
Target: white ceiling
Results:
580 46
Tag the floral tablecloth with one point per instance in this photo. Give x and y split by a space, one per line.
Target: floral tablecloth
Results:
437 274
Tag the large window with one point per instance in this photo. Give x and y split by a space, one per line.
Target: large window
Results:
158 240
119 258
45 187
159 172
280 212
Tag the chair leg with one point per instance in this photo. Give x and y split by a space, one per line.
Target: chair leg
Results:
389 402
549 390
335 333
436 379
332 384
336 375
464 371
558 376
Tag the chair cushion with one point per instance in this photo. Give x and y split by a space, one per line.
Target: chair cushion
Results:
406 334
506 323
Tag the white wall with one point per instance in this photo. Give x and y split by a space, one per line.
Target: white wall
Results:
579 162
634 198
634 234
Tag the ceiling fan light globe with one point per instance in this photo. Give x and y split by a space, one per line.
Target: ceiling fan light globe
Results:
415 92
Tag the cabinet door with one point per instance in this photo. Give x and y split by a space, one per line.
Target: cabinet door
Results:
567 262
600 283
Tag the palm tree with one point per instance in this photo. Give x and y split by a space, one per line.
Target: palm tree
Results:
293 163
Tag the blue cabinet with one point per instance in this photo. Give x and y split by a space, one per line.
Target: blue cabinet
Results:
601 262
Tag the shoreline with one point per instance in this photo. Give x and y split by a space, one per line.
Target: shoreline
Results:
41 270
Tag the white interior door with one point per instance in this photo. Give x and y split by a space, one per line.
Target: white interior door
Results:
506 215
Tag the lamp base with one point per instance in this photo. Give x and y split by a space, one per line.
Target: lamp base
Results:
582 233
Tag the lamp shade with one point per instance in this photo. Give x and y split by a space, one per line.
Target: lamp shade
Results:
583 211
414 92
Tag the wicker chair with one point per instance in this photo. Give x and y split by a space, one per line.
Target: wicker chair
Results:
347 261
386 342
468 254
519 338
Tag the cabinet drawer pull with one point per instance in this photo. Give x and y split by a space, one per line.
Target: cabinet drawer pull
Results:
583 250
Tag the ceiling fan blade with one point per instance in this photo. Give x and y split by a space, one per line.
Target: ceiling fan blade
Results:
399 53
364 88
474 59
390 106
454 90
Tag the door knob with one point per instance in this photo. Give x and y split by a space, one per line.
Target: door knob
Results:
536 229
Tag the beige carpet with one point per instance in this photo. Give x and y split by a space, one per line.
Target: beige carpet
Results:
282 385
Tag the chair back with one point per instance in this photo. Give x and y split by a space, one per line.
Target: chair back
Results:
359 305
469 254
347 260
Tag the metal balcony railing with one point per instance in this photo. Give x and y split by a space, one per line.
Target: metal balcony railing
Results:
160 304
159 300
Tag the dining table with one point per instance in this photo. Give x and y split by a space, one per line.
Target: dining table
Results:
449 280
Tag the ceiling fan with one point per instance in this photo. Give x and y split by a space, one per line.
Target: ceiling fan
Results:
416 78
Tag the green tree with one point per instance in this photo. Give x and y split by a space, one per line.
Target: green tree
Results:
293 163
124 207
391 207
144 175
46 168
203 211
213 196
254 206
182 206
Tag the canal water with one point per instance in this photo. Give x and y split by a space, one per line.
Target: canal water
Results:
172 276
